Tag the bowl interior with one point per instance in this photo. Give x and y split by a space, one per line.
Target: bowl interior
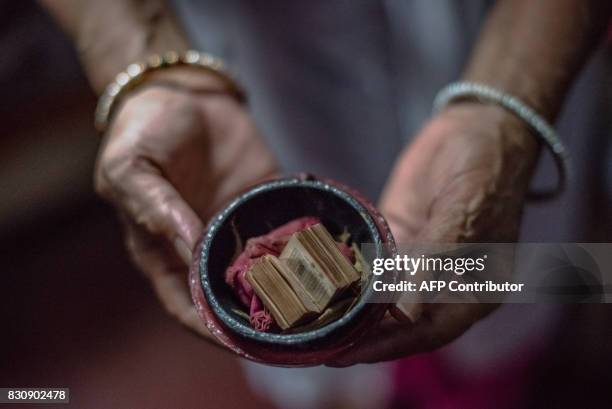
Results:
256 213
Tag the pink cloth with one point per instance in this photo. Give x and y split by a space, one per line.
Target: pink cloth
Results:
271 243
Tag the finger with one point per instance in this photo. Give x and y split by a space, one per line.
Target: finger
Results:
167 275
403 227
441 324
407 308
374 347
139 189
173 292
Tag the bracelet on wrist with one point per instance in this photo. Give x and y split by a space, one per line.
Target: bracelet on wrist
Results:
136 74
543 130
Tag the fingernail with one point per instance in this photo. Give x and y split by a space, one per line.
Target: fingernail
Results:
182 250
407 311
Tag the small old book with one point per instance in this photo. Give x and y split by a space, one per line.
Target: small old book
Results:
286 306
310 273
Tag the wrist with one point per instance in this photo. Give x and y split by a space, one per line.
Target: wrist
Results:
538 126
190 70
498 126
534 49
188 79
139 29
528 89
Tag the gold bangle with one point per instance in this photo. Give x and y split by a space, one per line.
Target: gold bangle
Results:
136 73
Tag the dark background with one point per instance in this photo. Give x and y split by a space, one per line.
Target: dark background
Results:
74 313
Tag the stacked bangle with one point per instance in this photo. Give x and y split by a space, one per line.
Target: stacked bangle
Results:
136 73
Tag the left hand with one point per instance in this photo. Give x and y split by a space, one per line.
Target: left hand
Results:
464 179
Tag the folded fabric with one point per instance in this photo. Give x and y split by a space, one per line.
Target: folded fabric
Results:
271 243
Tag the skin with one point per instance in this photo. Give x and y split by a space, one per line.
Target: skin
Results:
465 177
169 159
168 163
471 166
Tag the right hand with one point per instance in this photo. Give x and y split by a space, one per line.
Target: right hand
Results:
171 158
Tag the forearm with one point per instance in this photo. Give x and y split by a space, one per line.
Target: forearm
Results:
111 34
534 49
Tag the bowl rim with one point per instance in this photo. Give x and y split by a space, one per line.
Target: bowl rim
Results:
284 339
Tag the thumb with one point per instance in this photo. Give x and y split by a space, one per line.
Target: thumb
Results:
407 308
398 206
139 190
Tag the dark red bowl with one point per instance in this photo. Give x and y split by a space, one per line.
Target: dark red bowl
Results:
256 212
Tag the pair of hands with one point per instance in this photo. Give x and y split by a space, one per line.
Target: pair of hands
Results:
174 155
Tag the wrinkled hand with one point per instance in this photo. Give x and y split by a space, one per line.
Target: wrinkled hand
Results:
171 158
464 179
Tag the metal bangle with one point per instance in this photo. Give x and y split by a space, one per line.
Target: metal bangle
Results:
542 128
136 73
